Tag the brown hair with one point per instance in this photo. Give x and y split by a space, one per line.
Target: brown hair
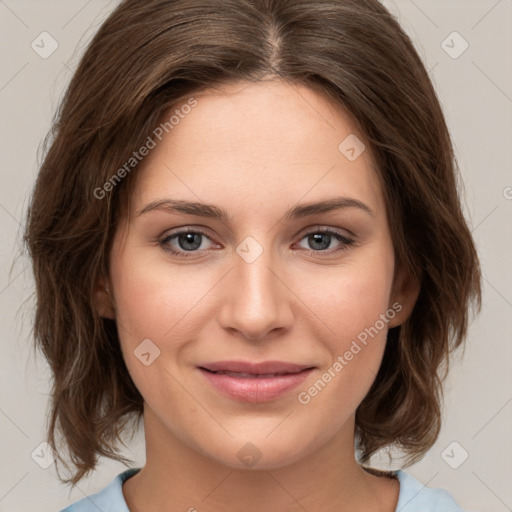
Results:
149 56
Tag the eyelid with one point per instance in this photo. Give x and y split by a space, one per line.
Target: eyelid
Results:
167 235
186 229
346 241
322 227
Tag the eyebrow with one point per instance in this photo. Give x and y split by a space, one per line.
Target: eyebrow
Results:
214 212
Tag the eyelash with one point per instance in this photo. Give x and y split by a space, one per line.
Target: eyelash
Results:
346 242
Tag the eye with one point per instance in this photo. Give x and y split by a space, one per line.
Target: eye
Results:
321 239
183 243
186 243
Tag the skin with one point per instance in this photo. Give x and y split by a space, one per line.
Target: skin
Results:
254 150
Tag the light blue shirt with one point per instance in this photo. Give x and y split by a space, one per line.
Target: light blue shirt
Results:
413 497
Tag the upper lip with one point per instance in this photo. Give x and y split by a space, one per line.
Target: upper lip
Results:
255 368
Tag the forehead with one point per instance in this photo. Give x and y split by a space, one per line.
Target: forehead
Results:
266 142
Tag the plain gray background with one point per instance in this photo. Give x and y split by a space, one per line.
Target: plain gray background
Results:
475 90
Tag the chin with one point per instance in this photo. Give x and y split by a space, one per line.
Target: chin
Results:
260 453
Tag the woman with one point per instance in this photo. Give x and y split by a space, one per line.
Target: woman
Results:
247 233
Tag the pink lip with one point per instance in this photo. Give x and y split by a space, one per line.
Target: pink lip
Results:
253 385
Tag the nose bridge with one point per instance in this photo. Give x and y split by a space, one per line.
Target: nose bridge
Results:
254 303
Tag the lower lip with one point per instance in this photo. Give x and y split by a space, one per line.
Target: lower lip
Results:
255 389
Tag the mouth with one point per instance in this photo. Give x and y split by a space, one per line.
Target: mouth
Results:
254 382
269 368
242 375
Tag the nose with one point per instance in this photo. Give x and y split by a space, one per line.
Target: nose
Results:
255 298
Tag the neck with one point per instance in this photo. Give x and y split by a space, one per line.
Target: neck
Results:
177 477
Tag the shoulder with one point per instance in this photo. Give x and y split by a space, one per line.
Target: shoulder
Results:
415 497
109 499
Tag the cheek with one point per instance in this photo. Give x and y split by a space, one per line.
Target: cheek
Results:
354 303
153 300
166 304
351 298
154 303
364 300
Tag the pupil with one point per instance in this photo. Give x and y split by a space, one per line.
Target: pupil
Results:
317 239
188 238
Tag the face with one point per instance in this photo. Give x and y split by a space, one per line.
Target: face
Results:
196 294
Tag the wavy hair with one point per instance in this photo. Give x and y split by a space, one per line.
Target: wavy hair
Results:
148 56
